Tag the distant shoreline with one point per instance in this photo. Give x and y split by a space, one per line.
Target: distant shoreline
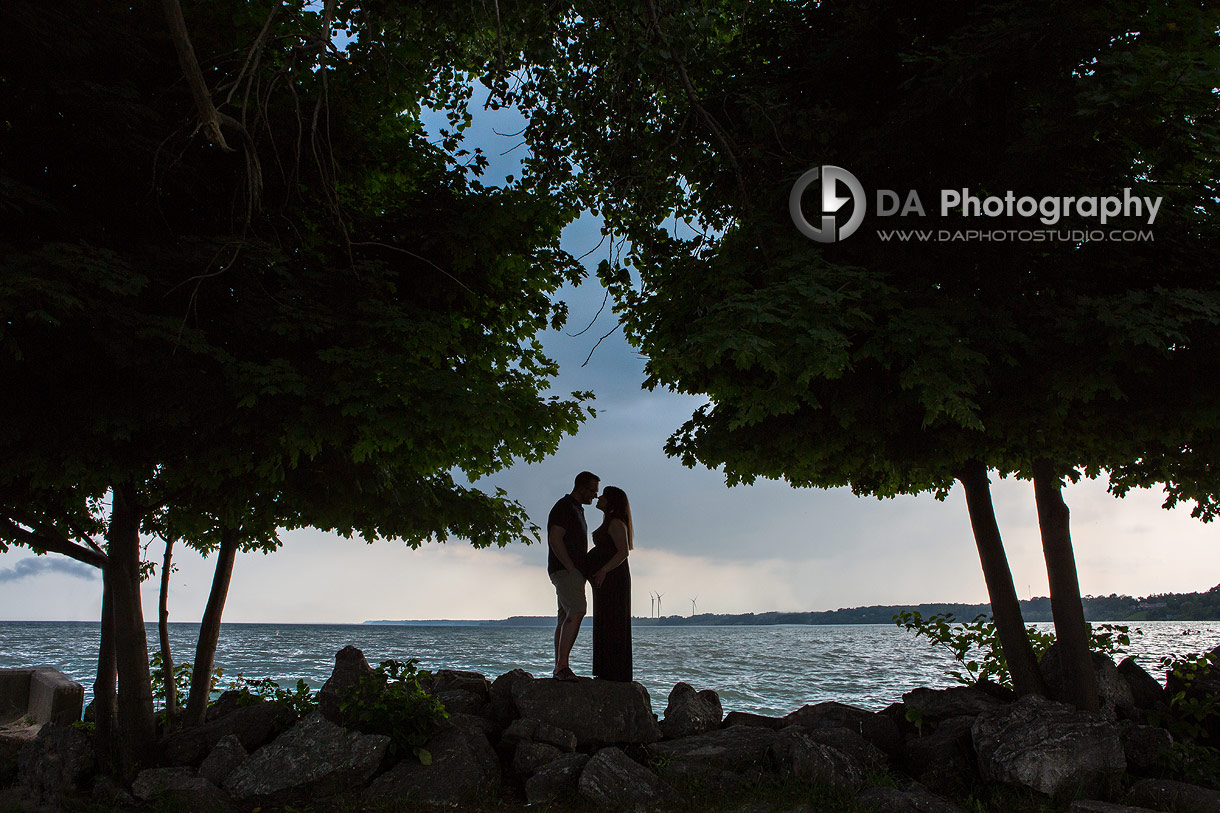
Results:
1165 607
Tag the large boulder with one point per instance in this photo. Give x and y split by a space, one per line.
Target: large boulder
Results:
1048 747
253 725
1113 691
862 752
934 705
1180 797
879 729
350 669
464 769
556 781
526 729
943 754
529 756
224 759
798 756
598 712
1146 690
501 694
612 780
54 765
1144 746
690 712
314 758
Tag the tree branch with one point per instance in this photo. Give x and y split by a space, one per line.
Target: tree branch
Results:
209 118
50 542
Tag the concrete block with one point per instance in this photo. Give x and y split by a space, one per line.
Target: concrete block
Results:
43 694
54 697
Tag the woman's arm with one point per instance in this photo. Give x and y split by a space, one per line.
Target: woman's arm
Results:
618 532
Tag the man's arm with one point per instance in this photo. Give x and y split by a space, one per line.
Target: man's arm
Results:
554 538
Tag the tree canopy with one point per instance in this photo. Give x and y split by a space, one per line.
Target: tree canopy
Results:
245 289
886 365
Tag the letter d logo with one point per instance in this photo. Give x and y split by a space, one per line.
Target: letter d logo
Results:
831 203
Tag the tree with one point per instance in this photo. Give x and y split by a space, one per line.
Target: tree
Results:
877 364
291 310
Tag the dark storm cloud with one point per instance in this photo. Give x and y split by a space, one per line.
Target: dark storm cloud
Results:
38 566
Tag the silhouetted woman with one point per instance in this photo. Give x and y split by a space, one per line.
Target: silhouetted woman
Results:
611 578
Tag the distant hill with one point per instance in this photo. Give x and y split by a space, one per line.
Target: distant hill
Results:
1161 607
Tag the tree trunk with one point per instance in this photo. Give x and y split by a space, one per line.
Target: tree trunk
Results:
1005 607
209 630
1080 686
105 686
167 657
136 724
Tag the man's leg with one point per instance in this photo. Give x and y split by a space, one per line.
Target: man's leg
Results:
567 632
558 628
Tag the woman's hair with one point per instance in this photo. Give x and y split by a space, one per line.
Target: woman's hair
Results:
617 507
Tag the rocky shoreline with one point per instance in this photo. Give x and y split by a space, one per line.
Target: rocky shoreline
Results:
519 741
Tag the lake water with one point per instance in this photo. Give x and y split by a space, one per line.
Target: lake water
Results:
763 669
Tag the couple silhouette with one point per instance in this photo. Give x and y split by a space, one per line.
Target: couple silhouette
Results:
571 562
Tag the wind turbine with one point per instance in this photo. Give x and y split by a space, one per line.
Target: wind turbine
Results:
652 604
659 604
692 604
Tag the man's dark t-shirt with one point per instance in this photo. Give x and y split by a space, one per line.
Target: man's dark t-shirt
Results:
570 515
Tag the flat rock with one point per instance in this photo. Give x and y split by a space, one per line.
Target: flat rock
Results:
1180 797
736 749
756 720
613 780
1089 806
957 701
315 757
915 798
180 789
464 769
596 711
879 729
1048 747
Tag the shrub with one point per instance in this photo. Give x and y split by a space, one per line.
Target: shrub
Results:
393 701
976 646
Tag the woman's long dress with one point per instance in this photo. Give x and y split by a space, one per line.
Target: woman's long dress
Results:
611 612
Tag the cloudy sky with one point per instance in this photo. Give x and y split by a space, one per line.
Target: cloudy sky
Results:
746 549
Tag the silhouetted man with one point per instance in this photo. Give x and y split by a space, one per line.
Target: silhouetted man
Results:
568 539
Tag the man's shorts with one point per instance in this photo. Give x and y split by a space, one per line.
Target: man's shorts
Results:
570 590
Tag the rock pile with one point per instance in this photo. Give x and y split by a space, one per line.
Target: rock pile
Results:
545 742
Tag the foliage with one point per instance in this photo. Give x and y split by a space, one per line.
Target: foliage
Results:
976 647
394 702
182 678
1192 713
323 319
302 700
